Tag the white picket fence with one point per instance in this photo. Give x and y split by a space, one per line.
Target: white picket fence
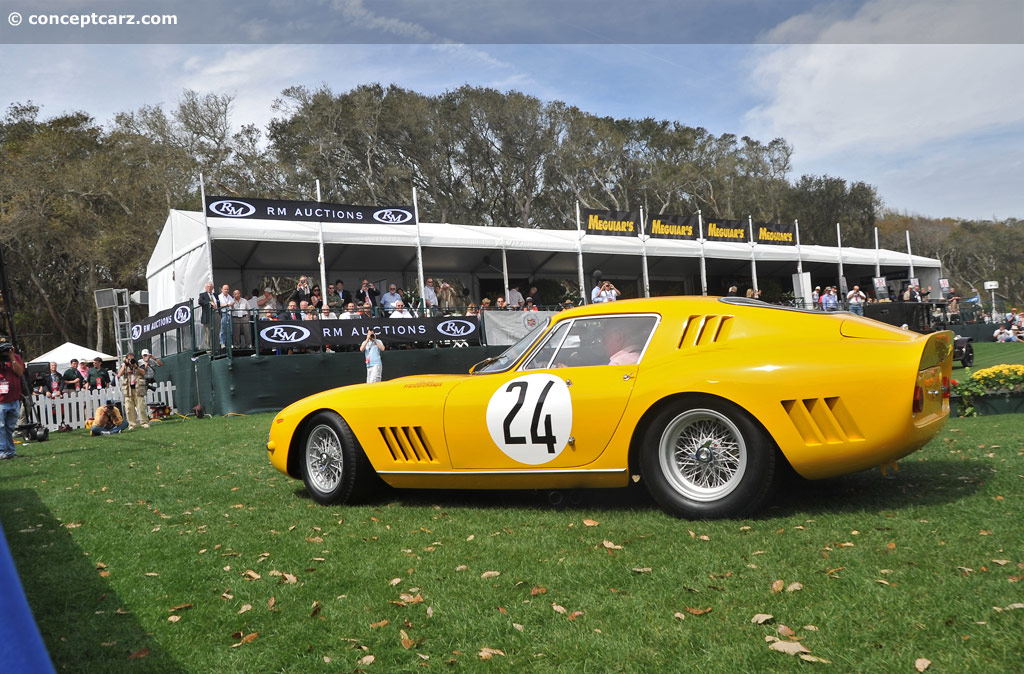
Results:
77 407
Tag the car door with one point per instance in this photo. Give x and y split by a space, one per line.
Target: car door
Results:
560 408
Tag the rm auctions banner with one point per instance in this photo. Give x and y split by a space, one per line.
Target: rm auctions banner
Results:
178 316
306 211
678 227
775 233
725 230
611 223
283 334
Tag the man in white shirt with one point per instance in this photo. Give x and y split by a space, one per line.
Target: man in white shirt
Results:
268 304
855 298
515 298
400 311
350 312
226 302
429 298
240 320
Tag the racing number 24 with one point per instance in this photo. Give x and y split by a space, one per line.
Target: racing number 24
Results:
548 439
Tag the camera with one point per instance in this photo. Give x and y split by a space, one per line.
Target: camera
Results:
6 349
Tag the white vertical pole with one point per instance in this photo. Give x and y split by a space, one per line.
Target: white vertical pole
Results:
703 264
320 228
839 243
753 262
643 250
799 257
206 223
419 250
910 256
878 260
504 270
584 296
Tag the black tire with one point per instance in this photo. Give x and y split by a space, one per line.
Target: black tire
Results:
334 467
968 359
707 459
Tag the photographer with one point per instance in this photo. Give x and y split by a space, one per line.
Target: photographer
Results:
11 369
372 348
150 363
108 420
133 385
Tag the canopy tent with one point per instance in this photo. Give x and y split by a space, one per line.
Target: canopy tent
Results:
63 354
241 252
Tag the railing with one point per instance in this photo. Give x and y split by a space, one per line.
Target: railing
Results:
77 407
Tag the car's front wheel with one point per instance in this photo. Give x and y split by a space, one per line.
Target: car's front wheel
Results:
968 359
335 469
706 458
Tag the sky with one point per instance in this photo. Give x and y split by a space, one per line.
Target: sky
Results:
924 99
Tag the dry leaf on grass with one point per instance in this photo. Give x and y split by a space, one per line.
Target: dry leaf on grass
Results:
395 581
245 607
518 626
251 575
558 609
488 653
644 569
407 643
366 660
788 647
382 623
590 523
611 546
462 567
490 574
698 611
807 657
575 614
778 585
680 615
785 631
180 607
173 618
762 618
794 587
248 638
922 664
141 653
538 590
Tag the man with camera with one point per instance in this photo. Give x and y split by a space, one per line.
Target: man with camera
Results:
11 369
133 385
107 420
372 348
150 363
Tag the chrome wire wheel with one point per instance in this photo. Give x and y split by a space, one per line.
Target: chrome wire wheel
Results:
325 461
702 455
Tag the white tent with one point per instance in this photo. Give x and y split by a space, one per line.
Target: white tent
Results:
243 251
63 354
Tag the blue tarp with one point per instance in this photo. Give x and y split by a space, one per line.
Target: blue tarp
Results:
21 645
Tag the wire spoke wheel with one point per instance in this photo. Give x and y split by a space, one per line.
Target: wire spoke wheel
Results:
325 462
703 454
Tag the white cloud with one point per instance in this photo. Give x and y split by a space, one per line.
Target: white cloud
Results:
885 98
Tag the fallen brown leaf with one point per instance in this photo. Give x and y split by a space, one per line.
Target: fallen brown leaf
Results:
173 618
922 664
575 614
788 647
590 523
488 653
139 654
558 609
366 660
762 618
248 638
490 574
807 657
644 569
611 546
538 590
794 587
251 575
778 585
698 611
785 631
382 623
180 607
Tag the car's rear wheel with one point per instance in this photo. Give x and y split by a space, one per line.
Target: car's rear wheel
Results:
705 458
335 469
968 359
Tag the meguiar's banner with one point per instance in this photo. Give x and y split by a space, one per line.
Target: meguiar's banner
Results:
611 223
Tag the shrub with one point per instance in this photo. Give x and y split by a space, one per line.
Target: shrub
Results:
995 380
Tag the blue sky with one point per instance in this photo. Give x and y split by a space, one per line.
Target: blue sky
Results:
935 122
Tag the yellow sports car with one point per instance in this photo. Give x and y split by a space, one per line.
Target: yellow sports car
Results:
702 398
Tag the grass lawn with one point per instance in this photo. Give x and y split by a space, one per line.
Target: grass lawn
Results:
987 354
179 549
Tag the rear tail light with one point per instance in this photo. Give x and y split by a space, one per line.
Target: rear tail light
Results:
918 400
945 387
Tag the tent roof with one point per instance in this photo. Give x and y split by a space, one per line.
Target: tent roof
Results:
68 350
289 246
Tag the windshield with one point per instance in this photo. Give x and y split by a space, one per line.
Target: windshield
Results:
514 352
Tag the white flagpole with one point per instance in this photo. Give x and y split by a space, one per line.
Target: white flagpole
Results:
910 255
584 296
419 252
839 243
643 250
703 264
320 228
206 223
504 270
878 261
753 262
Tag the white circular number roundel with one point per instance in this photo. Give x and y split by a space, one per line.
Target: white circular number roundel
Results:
530 418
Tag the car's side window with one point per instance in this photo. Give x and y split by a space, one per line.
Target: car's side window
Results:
605 340
542 357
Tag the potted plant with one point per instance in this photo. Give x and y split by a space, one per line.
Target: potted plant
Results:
994 390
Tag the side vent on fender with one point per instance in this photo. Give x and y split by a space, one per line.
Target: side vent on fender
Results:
822 421
704 330
407 444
